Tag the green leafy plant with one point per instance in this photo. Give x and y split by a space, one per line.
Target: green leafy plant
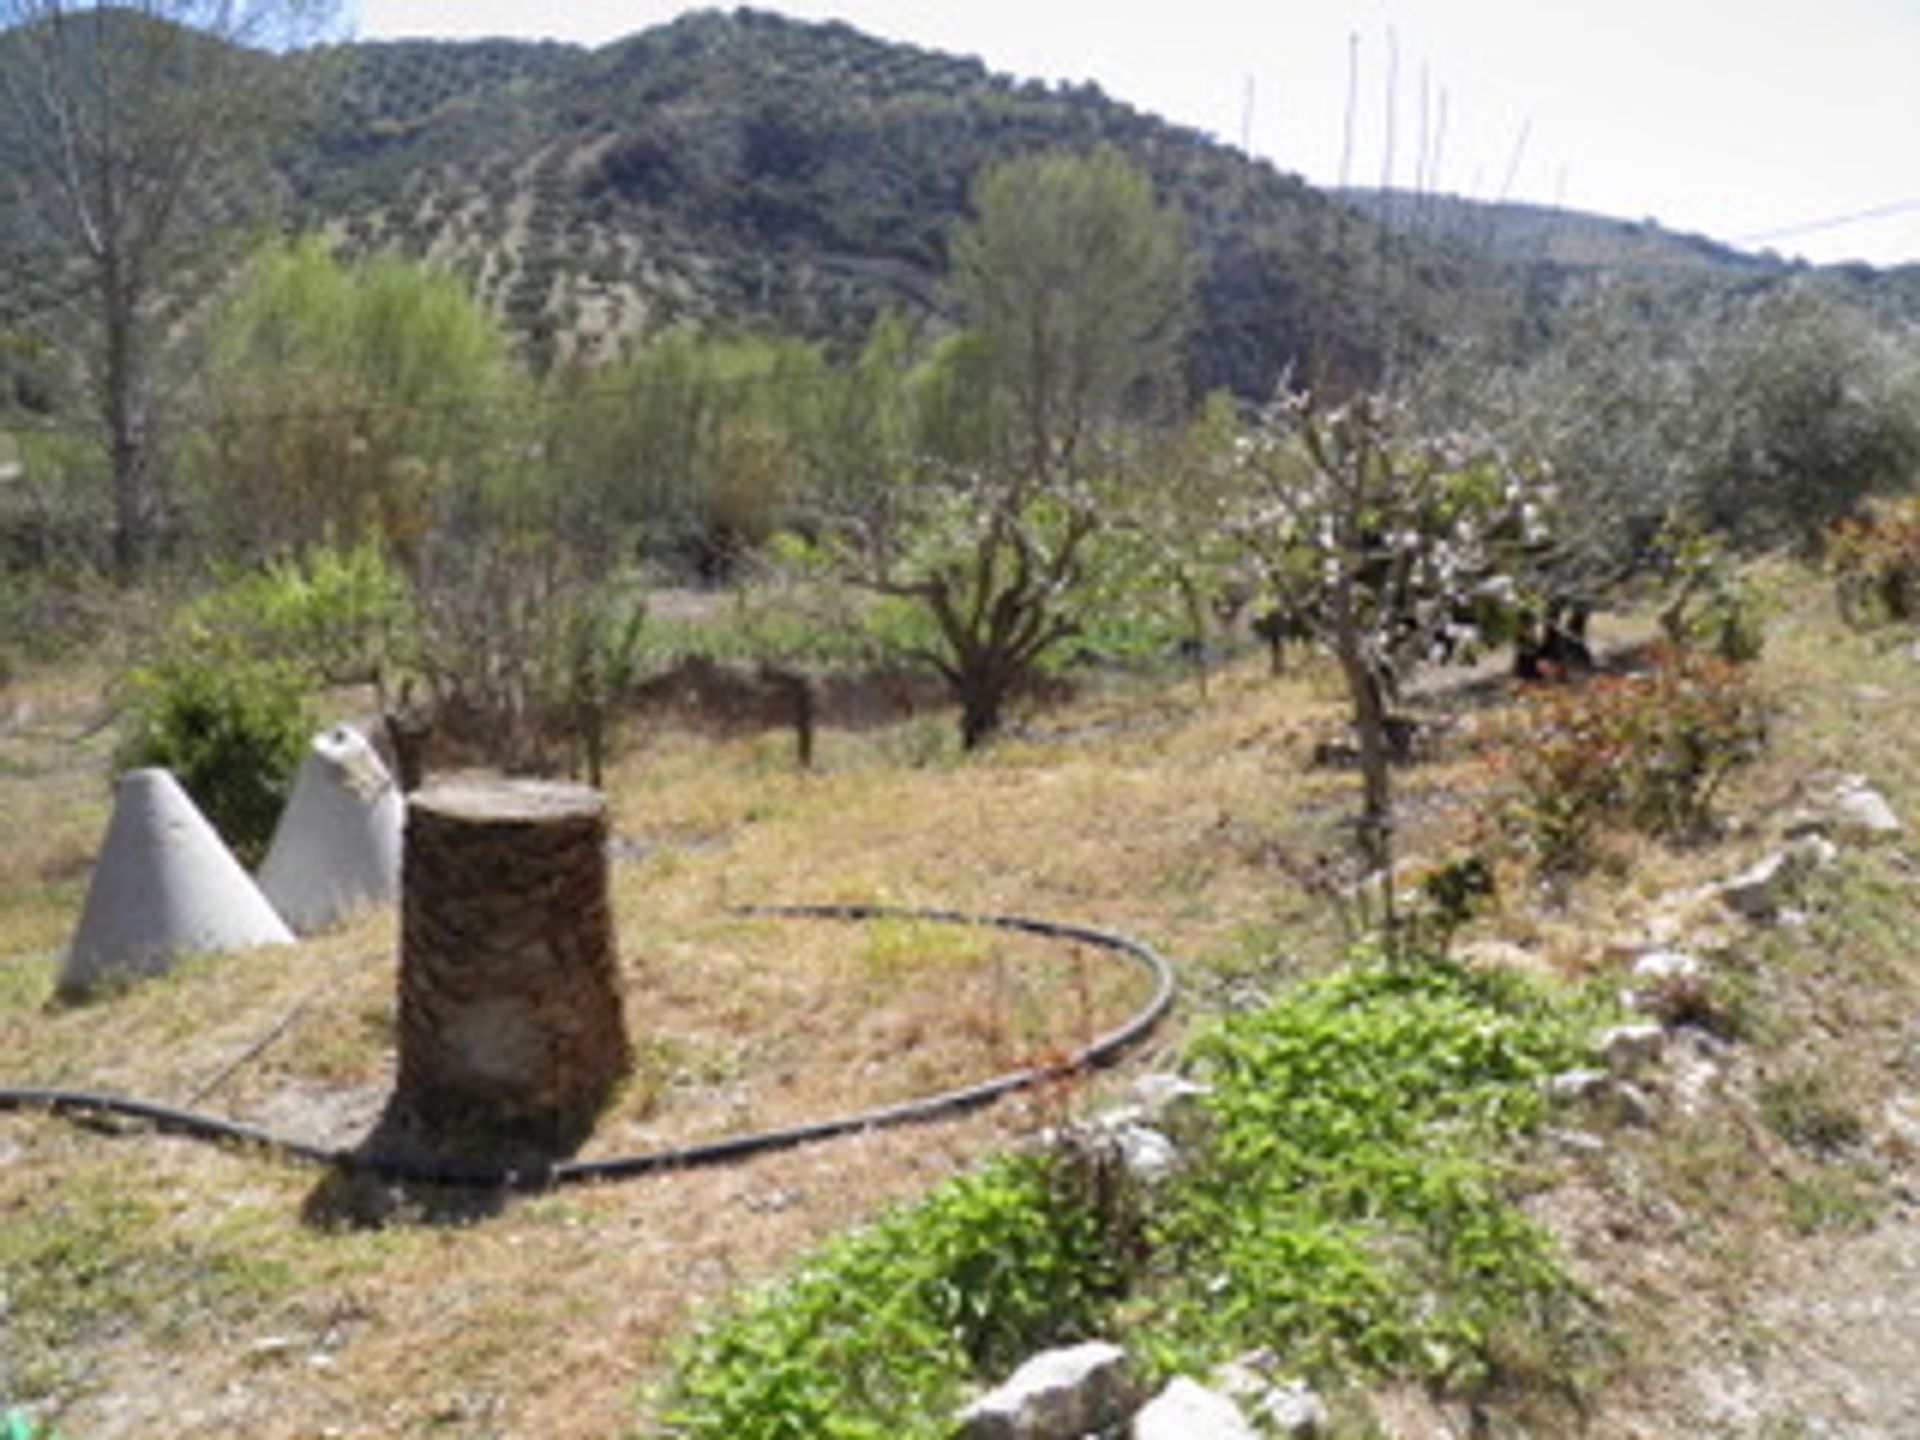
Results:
872 1339
1353 1211
338 613
1708 603
232 729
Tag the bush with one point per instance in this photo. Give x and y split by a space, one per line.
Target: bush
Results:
337 614
1875 561
873 1339
1646 751
1708 603
1353 1213
233 730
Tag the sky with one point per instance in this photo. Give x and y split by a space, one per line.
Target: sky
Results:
1782 125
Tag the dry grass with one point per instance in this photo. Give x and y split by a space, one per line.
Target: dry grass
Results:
1144 810
183 1293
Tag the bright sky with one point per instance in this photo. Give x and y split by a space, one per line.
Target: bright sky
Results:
1782 124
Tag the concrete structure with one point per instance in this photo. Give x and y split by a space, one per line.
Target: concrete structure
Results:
337 846
164 884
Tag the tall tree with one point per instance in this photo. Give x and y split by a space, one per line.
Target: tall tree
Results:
131 127
346 401
1082 286
1077 286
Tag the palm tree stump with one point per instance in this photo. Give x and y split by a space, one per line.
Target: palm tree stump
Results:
511 1032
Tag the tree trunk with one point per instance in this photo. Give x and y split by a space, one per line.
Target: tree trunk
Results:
1370 730
511 1032
121 384
983 692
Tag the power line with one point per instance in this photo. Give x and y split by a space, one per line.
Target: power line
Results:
1831 222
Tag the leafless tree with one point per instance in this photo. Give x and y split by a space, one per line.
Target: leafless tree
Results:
136 129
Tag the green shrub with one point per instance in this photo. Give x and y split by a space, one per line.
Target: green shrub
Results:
336 613
1875 561
232 729
1708 603
1353 1214
873 1339
1648 751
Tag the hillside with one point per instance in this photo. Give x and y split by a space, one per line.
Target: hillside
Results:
1525 234
747 171
1738 1213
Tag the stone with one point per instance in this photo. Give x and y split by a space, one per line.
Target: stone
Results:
1657 966
1762 890
1294 1408
164 885
1624 1048
1060 1394
1171 1103
1636 1106
1492 954
1188 1410
1579 1085
1148 1155
336 848
1863 813
1288 1407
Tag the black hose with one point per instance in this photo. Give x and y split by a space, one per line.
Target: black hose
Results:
1101 1051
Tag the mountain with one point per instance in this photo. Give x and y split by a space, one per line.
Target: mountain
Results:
749 170
1522 234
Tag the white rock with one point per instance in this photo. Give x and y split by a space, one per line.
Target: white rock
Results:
1637 1107
1059 1394
1863 812
1188 1410
1627 1047
1150 1157
1667 965
1171 1102
1763 889
1295 1409
1576 1085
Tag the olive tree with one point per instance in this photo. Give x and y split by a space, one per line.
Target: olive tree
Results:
1076 286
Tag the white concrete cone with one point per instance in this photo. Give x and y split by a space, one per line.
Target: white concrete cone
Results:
337 846
164 884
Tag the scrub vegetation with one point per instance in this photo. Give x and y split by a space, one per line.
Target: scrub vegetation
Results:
897 486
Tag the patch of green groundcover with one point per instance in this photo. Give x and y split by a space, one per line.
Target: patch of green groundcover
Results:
874 1337
1351 1210
1354 1211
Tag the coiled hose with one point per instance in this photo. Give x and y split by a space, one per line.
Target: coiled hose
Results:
1101 1051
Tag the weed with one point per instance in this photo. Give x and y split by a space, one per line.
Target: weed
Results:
1832 1198
1648 751
1804 1109
873 1338
1351 1213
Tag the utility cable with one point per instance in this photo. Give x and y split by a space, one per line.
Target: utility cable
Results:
1098 1053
